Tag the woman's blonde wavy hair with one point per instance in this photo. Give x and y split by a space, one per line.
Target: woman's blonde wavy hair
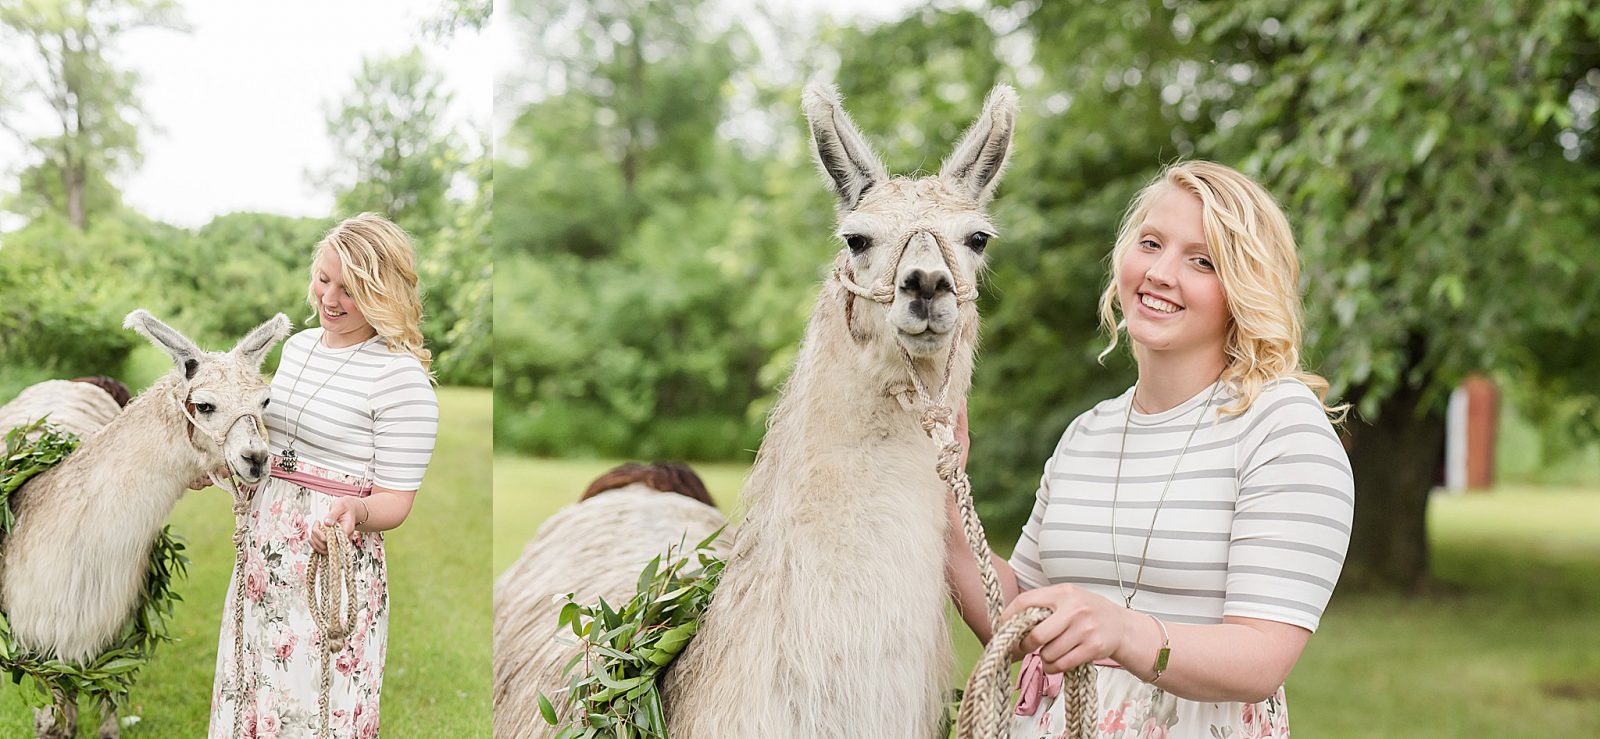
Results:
1256 261
378 267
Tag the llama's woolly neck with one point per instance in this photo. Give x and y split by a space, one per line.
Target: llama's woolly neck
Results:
844 517
150 435
847 391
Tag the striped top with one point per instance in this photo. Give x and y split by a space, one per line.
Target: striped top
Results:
377 412
1255 524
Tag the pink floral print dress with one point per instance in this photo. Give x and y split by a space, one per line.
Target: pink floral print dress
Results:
282 662
1131 709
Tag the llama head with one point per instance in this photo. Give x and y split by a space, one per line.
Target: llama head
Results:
918 244
224 394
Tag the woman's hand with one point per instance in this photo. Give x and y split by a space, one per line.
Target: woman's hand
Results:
202 482
1082 627
343 513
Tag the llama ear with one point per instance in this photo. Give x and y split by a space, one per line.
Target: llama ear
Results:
975 165
183 351
843 154
254 346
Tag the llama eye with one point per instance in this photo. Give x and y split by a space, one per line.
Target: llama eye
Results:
857 243
978 240
265 402
204 407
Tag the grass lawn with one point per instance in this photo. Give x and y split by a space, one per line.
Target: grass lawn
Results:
437 676
1509 651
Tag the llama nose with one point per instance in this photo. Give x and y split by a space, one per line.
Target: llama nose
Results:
257 460
926 285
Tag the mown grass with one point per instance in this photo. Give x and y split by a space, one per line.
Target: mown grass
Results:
1507 649
437 676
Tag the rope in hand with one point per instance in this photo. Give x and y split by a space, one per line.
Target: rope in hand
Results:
325 576
986 702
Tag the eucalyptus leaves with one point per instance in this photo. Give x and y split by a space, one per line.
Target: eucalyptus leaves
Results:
613 690
112 672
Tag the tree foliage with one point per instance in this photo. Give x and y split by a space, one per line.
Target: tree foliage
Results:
652 274
93 102
397 157
394 158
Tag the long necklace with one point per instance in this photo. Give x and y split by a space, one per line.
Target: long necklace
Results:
1116 561
288 460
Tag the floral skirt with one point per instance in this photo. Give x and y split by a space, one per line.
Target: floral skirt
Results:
282 649
1131 709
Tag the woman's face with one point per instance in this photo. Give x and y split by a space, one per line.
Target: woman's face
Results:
1167 283
342 322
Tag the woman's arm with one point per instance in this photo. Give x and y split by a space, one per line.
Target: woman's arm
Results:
960 569
961 573
383 510
1241 659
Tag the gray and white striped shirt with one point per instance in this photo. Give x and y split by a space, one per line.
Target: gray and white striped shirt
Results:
378 412
1256 522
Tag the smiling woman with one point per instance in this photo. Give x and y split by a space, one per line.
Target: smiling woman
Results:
1188 533
353 418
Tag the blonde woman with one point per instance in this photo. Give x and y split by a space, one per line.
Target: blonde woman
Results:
351 424
1187 533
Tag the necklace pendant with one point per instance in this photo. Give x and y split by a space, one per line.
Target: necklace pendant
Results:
286 460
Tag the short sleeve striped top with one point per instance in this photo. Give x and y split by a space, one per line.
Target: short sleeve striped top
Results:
1255 524
354 409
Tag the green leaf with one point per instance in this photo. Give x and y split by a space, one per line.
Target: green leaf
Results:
648 574
546 710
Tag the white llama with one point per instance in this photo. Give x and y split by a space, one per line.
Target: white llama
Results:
830 617
73 569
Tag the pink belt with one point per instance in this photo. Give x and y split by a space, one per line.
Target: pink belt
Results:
318 479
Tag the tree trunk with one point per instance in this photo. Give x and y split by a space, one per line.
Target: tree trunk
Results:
73 180
1396 461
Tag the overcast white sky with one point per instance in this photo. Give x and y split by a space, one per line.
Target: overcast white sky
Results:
241 100
239 103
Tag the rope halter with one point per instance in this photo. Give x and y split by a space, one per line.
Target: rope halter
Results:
884 291
232 483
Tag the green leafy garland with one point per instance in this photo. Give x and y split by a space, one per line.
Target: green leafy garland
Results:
625 650
111 674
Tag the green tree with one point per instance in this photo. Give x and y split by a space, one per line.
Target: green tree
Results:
1436 169
628 251
93 102
626 106
1442 182
61 316
458 273
237 271
394 156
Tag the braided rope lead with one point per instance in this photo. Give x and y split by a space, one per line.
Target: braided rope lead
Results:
986 704
241 527
236 488
324 576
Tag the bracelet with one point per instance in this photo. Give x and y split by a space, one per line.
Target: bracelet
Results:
366 513
1163 654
